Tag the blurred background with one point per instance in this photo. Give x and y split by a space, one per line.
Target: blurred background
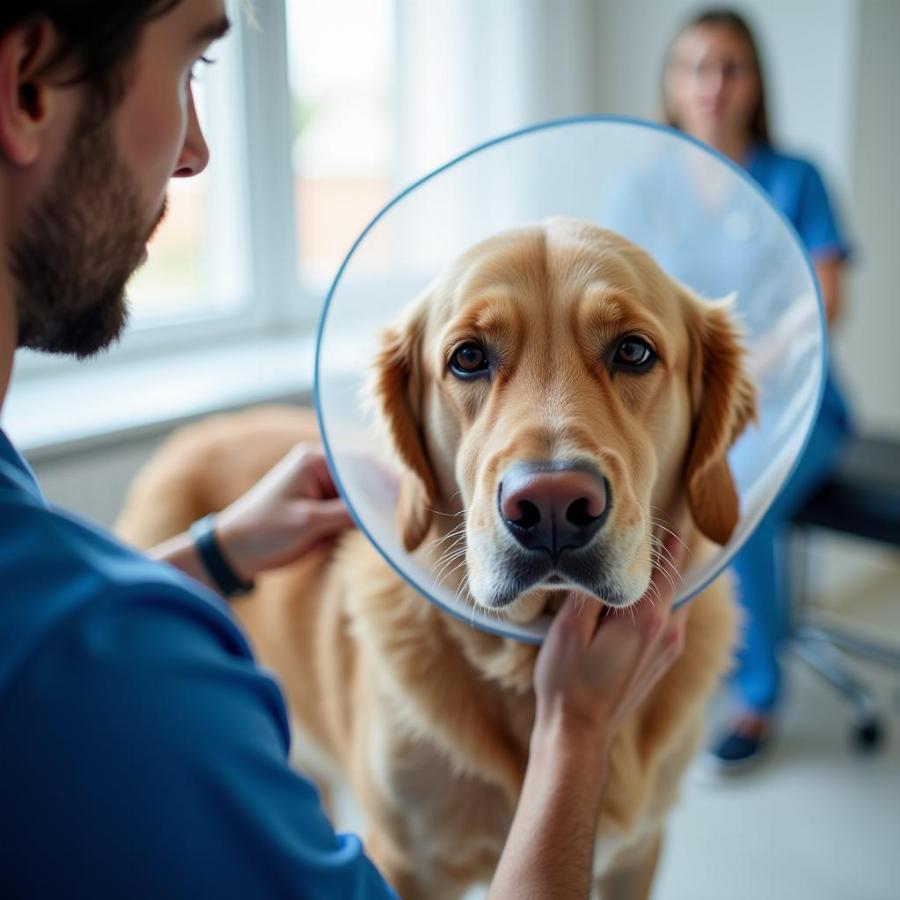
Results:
316 116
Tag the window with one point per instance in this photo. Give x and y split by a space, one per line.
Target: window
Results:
342 125
297 111
198 263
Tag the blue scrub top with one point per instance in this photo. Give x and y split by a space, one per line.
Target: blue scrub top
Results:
142 751
795 186
660 207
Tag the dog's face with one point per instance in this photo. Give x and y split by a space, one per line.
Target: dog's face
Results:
564 397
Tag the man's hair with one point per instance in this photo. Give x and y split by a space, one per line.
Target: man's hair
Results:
738 26
98 36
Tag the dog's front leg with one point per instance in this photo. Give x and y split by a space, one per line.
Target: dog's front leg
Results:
631 876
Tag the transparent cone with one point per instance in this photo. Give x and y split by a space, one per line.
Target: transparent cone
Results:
701 218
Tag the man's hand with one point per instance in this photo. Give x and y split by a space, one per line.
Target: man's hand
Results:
597 665
292 510
592 671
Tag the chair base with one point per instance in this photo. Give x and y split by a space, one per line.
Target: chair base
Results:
820 647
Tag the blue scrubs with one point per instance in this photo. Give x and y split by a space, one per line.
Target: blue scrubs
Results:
797 189
659 208
142 752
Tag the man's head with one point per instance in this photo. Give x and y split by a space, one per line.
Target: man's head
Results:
96 114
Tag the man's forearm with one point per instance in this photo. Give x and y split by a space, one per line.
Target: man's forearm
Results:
549 851
181 552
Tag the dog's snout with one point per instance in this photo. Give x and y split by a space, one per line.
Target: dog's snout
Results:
553 508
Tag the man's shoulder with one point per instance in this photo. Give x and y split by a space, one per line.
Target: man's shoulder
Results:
58 571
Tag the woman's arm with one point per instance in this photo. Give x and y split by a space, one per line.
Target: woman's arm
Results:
829 270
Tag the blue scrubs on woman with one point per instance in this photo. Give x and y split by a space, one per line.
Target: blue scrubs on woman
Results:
796 188
142 751
661 207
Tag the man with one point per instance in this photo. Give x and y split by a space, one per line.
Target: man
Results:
142 753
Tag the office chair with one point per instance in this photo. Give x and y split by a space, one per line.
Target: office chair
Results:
861 498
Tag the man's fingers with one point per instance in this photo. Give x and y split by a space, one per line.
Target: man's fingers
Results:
328 516
579 614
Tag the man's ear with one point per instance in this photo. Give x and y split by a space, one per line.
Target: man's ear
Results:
399 389
723 400
29 88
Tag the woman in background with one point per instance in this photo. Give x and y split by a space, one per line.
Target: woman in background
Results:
713 89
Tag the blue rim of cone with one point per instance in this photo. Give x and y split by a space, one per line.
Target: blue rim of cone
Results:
512 630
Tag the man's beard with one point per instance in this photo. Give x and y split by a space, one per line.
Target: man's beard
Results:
79 247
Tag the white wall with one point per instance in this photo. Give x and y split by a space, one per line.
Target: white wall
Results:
869 344
93 482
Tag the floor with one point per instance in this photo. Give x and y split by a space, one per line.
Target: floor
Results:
817 821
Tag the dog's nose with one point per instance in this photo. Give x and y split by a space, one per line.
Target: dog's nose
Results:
553 508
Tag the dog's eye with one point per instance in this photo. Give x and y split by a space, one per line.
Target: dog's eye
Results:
469 359
634 353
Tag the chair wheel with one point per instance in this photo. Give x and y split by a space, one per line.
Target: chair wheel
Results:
868 734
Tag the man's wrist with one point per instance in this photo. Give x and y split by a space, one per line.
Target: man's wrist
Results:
236 545
231 581
565 736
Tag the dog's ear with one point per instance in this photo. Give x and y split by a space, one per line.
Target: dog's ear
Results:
723 400
399 390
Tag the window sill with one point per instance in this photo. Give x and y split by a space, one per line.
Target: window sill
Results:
48 417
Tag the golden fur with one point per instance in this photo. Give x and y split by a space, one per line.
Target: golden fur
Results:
428 718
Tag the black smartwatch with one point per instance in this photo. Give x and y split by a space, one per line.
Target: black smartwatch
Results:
226 580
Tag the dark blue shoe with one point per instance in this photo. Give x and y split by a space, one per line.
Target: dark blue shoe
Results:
735 752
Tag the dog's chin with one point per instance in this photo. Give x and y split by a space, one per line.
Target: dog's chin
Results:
546 598
524 586
545 601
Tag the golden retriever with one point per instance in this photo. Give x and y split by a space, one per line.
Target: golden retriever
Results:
556 403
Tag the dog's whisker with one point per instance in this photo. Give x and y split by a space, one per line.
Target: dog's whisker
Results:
436 542
454 548
448 568
660 566
660 524
449 555
657 564
664 561
440 512
452 553
668 568
445 573
444 577
454 532
454 543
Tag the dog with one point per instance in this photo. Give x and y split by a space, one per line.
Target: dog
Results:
556 404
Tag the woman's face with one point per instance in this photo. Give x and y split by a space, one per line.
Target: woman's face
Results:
711 83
